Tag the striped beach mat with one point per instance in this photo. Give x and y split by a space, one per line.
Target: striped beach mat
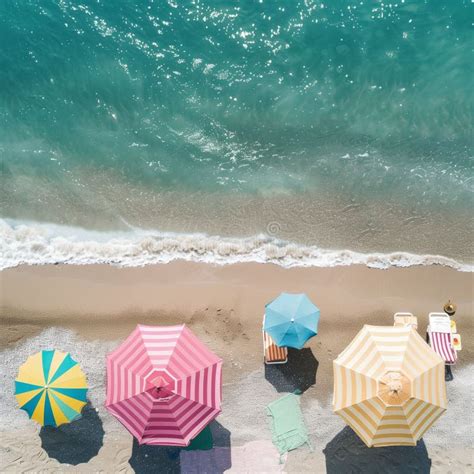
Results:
273 354
389 386
164 385
441 344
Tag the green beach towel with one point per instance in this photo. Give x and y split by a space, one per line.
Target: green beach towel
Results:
202 442
287 425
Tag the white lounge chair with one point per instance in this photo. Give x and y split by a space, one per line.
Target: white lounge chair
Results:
405 320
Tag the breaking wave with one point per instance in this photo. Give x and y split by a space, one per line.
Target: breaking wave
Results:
29 243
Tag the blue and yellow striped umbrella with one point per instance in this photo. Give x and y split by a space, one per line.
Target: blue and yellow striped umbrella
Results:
51 388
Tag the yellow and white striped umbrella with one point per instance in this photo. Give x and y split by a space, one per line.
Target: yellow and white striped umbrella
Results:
389 386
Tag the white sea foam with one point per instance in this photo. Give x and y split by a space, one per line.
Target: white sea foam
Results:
37 244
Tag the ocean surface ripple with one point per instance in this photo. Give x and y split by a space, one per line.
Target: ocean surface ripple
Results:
107 107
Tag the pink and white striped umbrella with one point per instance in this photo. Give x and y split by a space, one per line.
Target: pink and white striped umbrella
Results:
164 385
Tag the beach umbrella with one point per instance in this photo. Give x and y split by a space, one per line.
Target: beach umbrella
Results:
389 386
164 385
51 388
291 319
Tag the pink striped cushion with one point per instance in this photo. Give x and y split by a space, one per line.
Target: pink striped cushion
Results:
441 344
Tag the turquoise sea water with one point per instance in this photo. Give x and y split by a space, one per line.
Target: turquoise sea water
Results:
340 125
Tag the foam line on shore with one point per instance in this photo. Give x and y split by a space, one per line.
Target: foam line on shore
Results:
30 243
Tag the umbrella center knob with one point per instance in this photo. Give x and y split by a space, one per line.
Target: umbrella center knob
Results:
394 388
160 387
159 382
394 382
292 320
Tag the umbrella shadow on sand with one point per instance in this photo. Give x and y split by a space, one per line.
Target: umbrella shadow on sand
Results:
216 460
172 460
346 453
76 442
298 374
147 459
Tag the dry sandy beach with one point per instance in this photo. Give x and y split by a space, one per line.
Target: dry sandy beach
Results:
88 310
